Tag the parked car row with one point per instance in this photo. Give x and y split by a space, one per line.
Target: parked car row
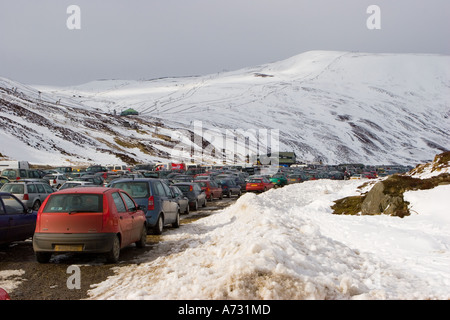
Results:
83 217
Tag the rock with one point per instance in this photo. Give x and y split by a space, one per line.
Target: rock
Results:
378 202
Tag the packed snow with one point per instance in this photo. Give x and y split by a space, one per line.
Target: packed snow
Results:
286 244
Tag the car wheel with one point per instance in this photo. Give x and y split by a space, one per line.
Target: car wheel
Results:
221 196
176 224
204 202
211 197
43 257
113 255
143 239
158 228
36 205
187 209
195 207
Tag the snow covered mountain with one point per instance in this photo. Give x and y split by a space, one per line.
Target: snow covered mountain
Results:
326 106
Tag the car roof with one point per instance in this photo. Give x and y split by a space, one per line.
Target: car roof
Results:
94 190
135 179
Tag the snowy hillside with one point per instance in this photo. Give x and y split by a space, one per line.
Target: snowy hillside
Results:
41 129
331 106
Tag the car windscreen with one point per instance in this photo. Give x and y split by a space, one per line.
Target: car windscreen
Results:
74 202
136 189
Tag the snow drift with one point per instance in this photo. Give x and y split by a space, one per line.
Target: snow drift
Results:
286 244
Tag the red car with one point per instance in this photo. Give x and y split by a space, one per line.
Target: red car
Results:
212 189
4 295
88 219
370 175
259 184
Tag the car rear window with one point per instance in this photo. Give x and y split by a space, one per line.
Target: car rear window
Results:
184 188
13 188
255 180
136 189
74 203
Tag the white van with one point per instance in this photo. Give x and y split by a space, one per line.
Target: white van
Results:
14 165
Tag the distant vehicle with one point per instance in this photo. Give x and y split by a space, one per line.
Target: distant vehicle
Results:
65 170
97 180
156 198
94 169
116 168
6 164
369 175
203 176
181 199
17 223
56 180
16 174
31 193
259 184
296 178
183 178
74 184
194 193
212 189
142 166
229 187
88 220
279 180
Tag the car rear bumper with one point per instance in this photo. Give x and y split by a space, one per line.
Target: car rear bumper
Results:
254 189
75 242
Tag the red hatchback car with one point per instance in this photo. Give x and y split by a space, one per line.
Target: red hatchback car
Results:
212 189
89 220
259 184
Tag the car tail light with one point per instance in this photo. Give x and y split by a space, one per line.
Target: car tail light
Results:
151 203
25 197
54 181
191 188
207 190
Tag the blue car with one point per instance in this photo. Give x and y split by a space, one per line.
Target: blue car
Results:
156 200
17 223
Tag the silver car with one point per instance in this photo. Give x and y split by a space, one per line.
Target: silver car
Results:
31 192
74 184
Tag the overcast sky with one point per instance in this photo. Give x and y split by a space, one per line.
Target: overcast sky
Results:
145 39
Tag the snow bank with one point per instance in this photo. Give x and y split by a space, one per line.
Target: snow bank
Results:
286 244
10 279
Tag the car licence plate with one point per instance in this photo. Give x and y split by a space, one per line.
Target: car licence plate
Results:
254 185
64 247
